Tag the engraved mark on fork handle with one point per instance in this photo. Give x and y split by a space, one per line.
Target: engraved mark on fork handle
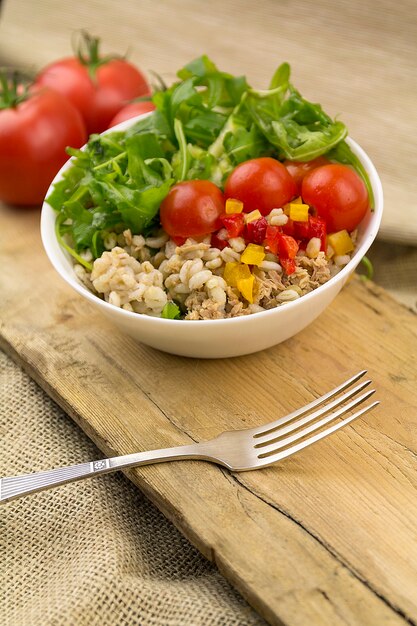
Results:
97 466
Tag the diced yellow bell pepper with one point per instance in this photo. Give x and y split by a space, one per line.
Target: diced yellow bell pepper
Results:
233 206
229 274
235 271
286 207
245 286
299 212
252 216
341 242
253 254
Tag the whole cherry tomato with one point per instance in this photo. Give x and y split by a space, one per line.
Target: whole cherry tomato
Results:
263 184
299 169
97 86
34 132
192 208
338 195
132 110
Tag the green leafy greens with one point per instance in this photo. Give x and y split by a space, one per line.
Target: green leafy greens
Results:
203 126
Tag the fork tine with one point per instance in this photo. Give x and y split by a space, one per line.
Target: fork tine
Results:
273 458
279 429
281 443
260 431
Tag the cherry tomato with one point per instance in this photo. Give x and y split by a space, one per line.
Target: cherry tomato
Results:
338 195
192 209
33 137
97 86
299 169
263 184
132 110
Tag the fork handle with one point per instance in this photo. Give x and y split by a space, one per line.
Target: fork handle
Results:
14 487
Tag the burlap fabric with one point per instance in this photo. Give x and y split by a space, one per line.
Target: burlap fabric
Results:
96 552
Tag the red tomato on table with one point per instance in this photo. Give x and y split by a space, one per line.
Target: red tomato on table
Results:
262 184
97 86
33 137
298 169
192 209
338 195
132 110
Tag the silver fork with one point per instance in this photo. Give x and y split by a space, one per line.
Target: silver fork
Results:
238 450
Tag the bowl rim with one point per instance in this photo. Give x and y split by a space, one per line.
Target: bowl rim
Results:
370 235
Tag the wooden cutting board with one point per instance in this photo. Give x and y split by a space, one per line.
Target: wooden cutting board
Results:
326 537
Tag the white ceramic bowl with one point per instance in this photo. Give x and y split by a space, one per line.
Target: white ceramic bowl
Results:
224 337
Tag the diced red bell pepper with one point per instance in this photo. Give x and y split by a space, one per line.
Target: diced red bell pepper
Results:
287 247
288 266
255 231
302 230
234 223
217 242
288 228
317 228
271 238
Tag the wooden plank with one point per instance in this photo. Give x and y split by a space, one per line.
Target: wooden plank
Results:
325 537
357 58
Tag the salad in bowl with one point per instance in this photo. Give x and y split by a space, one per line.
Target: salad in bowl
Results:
224 202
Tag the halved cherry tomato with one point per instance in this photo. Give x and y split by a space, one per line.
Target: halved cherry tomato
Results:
299 169
263 184
338 195
192 208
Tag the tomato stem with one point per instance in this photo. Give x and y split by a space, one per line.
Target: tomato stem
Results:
86 49
14 88
160 84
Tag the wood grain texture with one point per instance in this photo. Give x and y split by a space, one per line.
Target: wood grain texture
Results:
326 537
356 57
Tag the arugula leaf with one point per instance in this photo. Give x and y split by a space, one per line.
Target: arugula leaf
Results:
137 208
183 152
223 89
97 244
300 130
199 68
244 144
64 188
59 227
171 311
281 76
204 127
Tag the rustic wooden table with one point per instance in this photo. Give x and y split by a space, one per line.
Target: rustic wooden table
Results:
326 537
